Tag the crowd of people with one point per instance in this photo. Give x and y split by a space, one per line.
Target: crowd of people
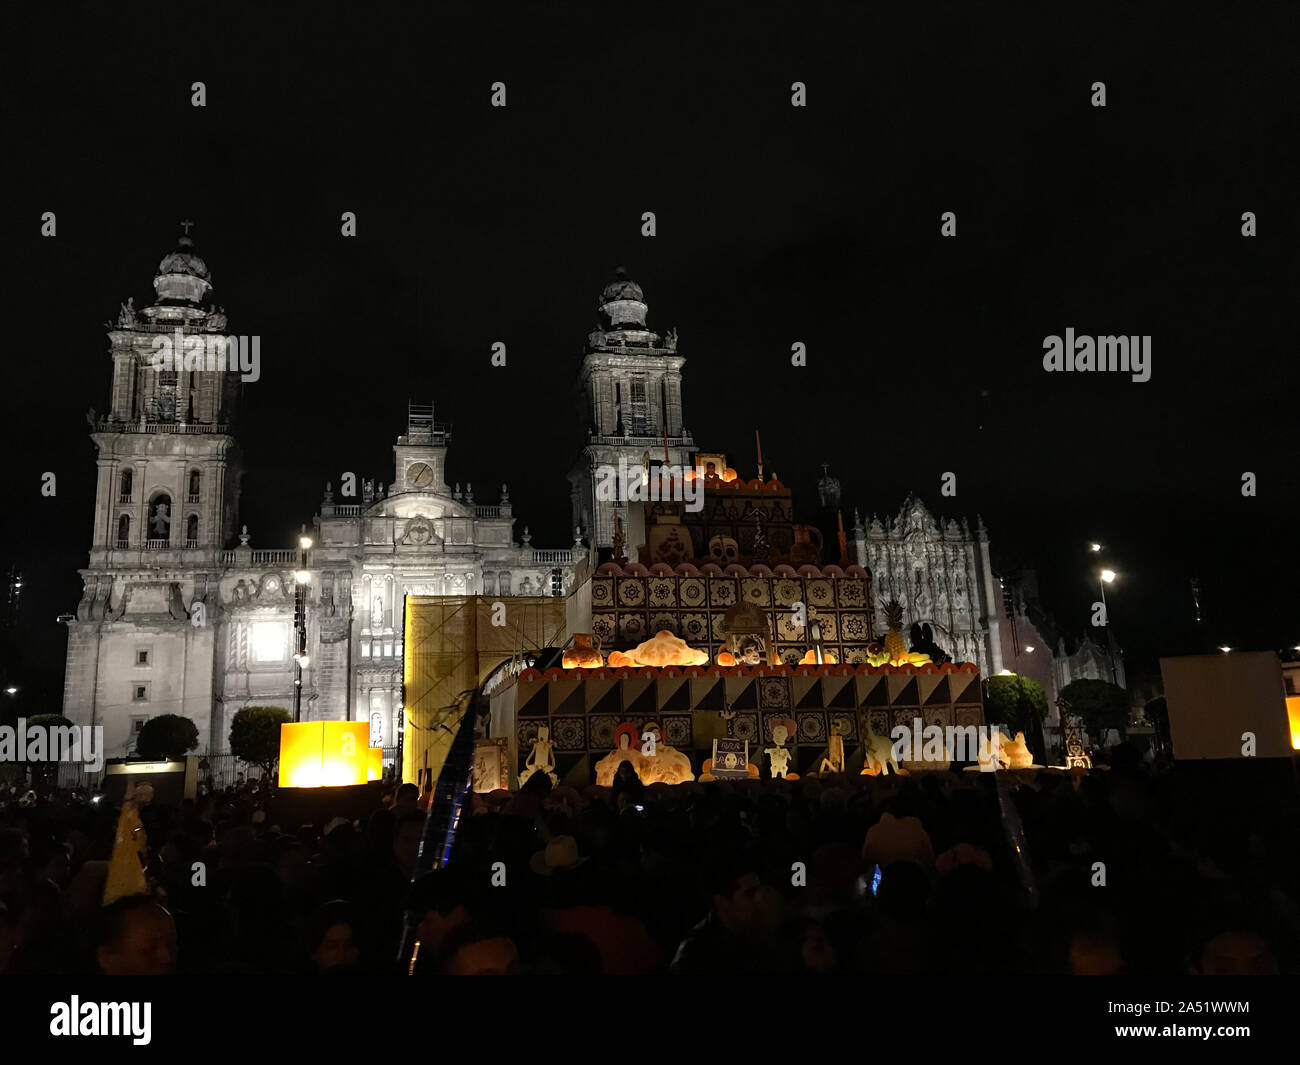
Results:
1124 870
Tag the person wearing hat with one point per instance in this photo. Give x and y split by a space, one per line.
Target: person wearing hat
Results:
560 853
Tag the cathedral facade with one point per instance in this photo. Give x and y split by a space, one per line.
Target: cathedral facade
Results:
181 614
942 576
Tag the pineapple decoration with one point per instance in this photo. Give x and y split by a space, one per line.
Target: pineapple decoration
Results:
895 652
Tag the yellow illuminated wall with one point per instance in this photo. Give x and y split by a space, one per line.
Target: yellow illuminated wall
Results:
1293 716
315 754
450 646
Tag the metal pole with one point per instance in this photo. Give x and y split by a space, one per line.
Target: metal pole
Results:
1110 641
300 628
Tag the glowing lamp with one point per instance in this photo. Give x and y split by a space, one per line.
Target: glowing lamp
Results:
1108 575
1030 648
1225 649
1094 547
302 576
1293 716
304 542
327 754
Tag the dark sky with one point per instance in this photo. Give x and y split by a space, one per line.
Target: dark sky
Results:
775 225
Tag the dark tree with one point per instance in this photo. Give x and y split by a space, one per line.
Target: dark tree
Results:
255 735
167 736
1099 705
1021 704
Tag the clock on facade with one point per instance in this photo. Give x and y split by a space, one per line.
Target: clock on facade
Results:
419 475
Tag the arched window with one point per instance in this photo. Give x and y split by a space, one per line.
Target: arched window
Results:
192 531
194 486
125 487
124 531
503 579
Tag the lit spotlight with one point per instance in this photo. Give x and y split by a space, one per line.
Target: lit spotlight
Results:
1108 575
1094 547
1225 649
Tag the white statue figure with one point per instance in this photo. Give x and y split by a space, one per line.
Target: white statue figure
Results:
780 754
542 757
377 615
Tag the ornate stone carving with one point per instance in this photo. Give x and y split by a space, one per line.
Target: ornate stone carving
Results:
420 531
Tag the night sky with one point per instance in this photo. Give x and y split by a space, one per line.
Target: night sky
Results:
775 224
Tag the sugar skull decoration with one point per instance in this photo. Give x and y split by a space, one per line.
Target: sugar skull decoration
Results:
724 550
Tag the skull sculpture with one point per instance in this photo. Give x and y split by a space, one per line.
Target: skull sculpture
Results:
724 551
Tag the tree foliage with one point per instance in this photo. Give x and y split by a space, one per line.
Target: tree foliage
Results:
1098 704
165 737
1016 702
255 735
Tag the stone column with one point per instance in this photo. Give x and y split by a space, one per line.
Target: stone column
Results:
673 399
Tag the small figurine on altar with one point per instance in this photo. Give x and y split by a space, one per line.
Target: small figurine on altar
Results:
834 760
779 755
542 757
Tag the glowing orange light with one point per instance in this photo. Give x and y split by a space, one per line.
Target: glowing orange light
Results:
1293 715
315 754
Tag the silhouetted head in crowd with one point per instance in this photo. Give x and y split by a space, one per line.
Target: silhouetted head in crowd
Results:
406 840
1094 949
442 901
406 799
538 784
137 937
736 888
329 938
1238 952
476 949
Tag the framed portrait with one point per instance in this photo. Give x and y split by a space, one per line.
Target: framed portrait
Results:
491 765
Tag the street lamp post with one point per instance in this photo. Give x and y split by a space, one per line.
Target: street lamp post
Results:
300 658
1106 577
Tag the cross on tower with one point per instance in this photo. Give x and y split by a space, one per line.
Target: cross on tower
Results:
186 226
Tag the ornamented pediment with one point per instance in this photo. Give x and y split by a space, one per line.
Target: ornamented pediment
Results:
420 532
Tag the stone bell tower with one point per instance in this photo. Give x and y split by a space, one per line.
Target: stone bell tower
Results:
166 497
630 386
